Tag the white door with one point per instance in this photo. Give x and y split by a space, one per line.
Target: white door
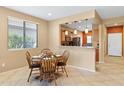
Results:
115 44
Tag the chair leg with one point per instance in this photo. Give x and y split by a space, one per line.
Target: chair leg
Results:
55 83
55 79
29 75
62 69
65 71
41 76
57 68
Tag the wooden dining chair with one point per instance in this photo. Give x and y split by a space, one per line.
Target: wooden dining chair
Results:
45 50
48 69
32 67
62 61
28 53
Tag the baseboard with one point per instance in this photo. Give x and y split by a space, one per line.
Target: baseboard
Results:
81 68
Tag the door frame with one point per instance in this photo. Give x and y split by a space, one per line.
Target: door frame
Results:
114 29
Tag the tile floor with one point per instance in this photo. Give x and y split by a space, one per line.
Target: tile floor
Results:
110 73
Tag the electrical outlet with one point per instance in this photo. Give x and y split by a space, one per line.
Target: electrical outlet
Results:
3 64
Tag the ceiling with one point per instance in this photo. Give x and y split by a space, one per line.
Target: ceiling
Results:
80 25
63 11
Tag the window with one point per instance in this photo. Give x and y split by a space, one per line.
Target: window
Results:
21 34
15 31
30 35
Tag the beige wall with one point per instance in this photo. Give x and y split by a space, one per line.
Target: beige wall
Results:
84 53
99 21
81 57
14 59
101 44
95 34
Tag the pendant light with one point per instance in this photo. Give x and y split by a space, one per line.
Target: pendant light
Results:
66 32
75 31
86 28
74 25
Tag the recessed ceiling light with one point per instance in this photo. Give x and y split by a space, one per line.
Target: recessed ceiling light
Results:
49 14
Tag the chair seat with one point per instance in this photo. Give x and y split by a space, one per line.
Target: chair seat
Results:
36 65
61 64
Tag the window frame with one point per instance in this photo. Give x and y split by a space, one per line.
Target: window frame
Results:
24 32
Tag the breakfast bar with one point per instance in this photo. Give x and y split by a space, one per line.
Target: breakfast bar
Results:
81 57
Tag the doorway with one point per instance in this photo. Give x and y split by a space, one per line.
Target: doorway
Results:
114 41
115 44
